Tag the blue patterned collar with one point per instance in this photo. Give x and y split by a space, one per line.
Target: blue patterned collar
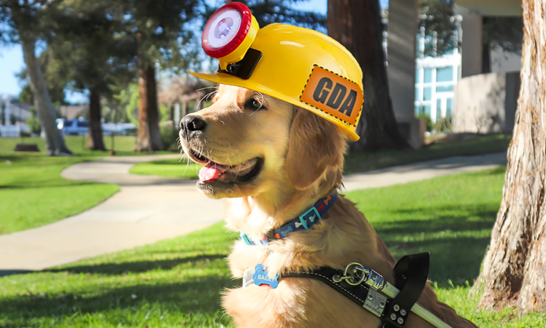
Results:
302 222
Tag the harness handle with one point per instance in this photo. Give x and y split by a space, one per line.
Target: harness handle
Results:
411 274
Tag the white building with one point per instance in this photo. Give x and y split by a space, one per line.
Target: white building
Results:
13 116
12 112
450 85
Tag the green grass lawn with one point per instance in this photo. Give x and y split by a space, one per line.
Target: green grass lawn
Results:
358 162
170 168
33 194
177 282
123 145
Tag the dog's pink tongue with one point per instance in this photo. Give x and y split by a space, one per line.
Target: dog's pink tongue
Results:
210 172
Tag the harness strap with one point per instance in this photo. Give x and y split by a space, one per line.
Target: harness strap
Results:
411 274
357 294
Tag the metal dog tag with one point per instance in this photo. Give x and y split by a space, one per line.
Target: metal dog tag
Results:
247 277
375 302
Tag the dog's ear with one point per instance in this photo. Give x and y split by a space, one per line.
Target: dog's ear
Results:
315 145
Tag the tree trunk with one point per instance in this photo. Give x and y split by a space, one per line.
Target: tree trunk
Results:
486 53
95 140
486 58
356 24
514 267
3 112
185 108
54 140
153 109
143 136
149 135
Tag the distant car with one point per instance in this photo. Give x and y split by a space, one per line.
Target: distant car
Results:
123 129
73 127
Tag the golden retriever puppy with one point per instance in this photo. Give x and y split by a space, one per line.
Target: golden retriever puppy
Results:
273 161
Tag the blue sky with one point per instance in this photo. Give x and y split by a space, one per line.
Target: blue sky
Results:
11 56
11 62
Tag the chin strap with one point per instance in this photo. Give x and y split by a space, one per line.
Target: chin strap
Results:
367 288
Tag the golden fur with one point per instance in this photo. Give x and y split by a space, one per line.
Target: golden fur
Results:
303 162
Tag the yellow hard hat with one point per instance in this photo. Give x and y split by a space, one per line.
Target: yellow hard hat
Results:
298 65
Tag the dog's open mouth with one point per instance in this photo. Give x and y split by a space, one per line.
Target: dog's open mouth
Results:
216 172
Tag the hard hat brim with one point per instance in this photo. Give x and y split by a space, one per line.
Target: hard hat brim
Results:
223 78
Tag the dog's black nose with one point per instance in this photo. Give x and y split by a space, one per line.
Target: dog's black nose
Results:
192 123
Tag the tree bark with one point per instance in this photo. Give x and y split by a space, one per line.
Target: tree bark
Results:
143 142
486 53
356 24
486 58
55 143
95 140
514 267
149 135
153 109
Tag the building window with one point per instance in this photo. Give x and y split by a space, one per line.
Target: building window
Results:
426 109
428 75
427 93
449 106
447 88
444 74
435 78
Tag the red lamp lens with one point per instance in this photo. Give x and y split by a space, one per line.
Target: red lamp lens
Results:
226 29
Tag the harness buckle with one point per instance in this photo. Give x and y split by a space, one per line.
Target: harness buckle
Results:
353 275
375 280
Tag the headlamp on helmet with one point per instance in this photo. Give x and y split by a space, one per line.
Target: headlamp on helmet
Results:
228 35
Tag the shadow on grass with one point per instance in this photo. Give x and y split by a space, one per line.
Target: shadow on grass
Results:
69 183
456 244
200 296
138 266
11 272
495 171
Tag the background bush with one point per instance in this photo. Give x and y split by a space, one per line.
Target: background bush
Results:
169 137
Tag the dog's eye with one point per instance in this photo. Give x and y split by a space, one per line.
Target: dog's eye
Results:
253 104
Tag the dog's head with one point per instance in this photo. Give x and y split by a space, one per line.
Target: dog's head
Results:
252 143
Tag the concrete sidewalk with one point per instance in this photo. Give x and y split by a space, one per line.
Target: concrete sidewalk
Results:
149 209
146 209
421 171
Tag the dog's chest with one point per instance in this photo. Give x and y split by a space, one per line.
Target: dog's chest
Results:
295 302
